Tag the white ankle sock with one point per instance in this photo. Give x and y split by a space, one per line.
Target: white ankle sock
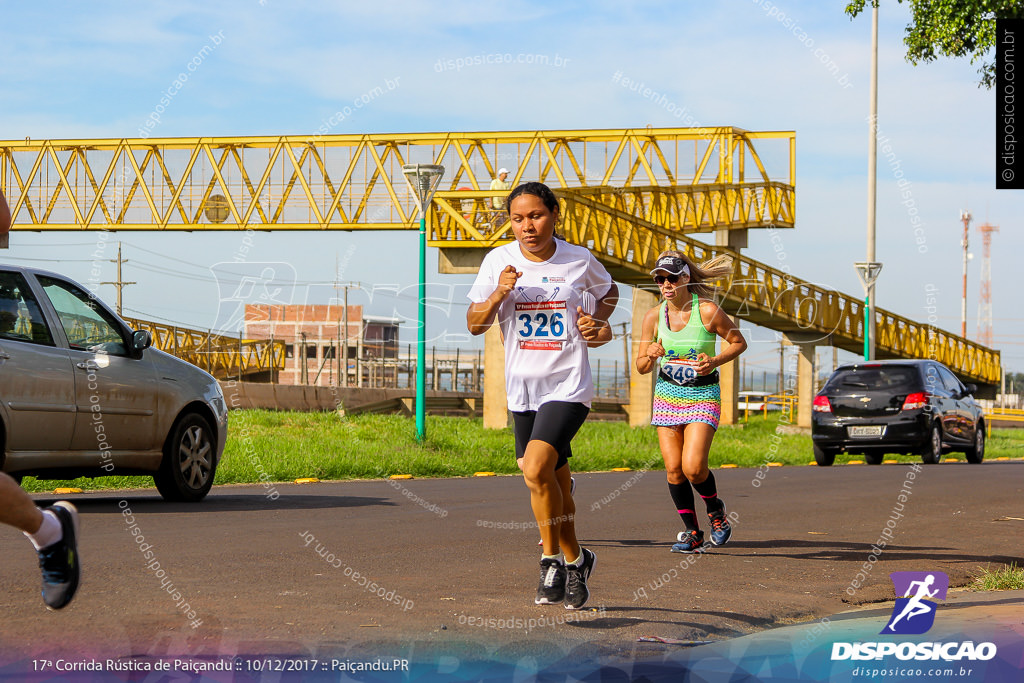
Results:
560 557
49 532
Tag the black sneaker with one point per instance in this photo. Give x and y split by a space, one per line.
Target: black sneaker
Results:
721 530
690 541
551 590
59 561
576 591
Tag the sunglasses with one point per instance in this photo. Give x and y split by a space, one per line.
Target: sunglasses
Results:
661 279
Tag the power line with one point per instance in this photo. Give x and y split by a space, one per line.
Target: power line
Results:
48 260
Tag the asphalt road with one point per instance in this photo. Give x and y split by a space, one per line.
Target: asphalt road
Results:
456 563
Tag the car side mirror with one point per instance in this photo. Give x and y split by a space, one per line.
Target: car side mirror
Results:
972 389
141 340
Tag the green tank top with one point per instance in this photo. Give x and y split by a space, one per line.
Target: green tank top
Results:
682 347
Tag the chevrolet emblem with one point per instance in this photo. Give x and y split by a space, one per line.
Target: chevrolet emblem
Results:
865 400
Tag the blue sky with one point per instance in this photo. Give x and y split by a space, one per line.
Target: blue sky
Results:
76 70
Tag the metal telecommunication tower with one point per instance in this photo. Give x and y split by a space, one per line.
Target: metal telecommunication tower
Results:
985 306
965 216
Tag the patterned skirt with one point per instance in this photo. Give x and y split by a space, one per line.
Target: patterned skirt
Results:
676 405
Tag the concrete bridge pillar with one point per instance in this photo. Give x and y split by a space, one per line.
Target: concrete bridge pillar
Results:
641 387
495 399
806 344
729 384
730 372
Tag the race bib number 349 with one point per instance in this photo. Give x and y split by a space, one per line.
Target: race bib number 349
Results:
680 370
540 325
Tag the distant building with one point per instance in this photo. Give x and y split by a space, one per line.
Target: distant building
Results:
314 336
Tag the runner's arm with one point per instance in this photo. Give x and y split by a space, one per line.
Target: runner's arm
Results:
724 326
596 329
648 349
606 305
481 314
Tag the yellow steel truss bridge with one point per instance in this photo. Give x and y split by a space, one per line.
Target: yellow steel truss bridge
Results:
222 356
628 194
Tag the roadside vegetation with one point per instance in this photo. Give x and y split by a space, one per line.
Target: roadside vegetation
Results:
289 445
1006 578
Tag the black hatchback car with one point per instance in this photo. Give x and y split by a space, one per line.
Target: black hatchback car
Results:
896 406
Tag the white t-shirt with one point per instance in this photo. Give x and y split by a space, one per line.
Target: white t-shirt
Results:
498 202
545 354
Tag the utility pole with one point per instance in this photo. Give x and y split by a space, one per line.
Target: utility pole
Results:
120 284
303 368
343 338
782 366
344 347
625 342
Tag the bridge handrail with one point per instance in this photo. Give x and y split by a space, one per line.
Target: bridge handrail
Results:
220 355
632 245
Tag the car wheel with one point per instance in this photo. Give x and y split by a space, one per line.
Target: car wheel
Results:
873 458
186 472
977 454
933 449
823 457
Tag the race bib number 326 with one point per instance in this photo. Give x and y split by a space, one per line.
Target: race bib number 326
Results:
540 325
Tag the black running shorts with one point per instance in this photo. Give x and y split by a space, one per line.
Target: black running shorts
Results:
554 423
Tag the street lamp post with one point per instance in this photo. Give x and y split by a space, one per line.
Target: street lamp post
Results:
424 179
868 270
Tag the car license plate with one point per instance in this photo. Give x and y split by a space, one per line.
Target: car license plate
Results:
872 430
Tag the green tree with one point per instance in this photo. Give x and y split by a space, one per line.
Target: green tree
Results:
1015 382
953 28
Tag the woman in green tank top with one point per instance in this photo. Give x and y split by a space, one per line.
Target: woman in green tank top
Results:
679 338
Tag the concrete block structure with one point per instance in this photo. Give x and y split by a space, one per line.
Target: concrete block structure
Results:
323 339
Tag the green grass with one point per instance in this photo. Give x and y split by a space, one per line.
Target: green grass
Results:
286 445
1009 578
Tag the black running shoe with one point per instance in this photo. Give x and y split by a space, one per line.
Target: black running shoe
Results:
690 541
721 530
59 561
551 590
576 591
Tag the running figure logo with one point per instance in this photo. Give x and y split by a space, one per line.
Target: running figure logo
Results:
913 614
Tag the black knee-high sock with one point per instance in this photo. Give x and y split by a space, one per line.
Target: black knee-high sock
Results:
709 492
682 496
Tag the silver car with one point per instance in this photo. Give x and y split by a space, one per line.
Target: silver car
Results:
81 394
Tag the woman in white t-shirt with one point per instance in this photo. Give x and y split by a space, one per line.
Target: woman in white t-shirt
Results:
552 301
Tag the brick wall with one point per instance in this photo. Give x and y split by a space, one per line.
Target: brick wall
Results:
321 325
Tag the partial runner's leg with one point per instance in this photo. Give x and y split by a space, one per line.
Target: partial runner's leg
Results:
567 541
671 441
698 437
53 532
17 508
546 493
